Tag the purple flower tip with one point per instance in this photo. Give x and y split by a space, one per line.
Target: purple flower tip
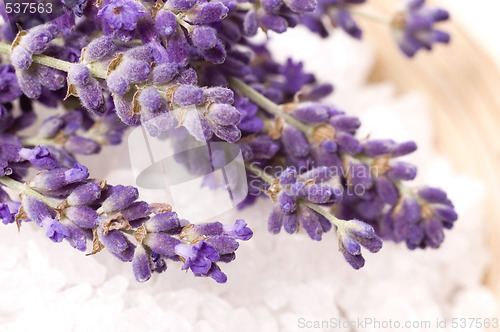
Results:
198 257
239 230
54 229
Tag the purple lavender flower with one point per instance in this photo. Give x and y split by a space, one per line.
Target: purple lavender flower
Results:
141 265
54 229
414 27
197 257
121 14
9 89
338 12
353 234
5 215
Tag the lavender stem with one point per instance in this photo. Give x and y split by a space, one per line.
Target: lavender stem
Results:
268 105
24 189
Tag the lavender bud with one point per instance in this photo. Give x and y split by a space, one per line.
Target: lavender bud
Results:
37 40
310 222
219 95
126 255
181 5
301 6
216 274
434 195
223 244
166 22
50 127
359 229
229 133
87 89
150 98
224 114
204 37
386 190
207 12
272 6
288 176
6 217
290 223
445 212
82 145
198 257
238 230
415 235
286 202
82 216
373 244
135 211
275 220
114 241
434 234
140 264
295 142
250 23
117 83
164 73
272 22
374 148
58 178
135 71
98 48
216 54
77 238
311 113
321 194
402 149
186 95
356 261
163 222
402 171
359 174
207 229
54 229
161 243
21 58
79 74
408 211
349 244
348 143
51 78
28 83
84 194
121 198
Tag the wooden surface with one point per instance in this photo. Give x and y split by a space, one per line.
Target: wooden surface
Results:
463 87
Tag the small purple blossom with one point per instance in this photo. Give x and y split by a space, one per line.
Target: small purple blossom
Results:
121 14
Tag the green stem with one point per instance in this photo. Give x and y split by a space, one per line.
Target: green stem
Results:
336 221
95 69
267 104
24 189
270 179
370 17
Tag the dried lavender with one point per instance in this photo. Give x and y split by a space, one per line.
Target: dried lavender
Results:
116 64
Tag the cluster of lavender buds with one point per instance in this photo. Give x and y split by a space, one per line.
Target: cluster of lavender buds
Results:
193 68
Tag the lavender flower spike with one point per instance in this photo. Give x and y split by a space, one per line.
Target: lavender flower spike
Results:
414 27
